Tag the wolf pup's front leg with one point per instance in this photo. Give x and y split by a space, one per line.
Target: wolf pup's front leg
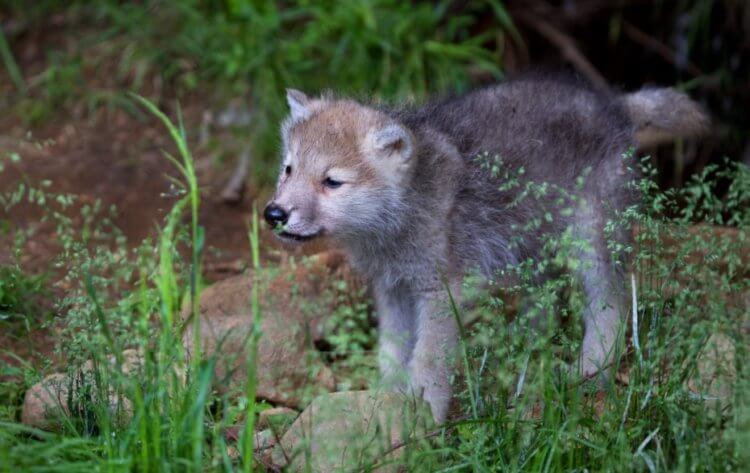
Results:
431 365
396 330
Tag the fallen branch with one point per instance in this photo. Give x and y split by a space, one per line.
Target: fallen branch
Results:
655 46
577 12
235 188
567 46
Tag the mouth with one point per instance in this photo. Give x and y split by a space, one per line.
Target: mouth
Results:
299 237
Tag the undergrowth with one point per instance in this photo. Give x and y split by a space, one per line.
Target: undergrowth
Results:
136 399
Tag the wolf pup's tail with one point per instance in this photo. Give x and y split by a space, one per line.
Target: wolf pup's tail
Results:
662 114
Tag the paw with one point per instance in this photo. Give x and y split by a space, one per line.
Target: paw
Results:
439 401
436 390
396 381
394 376
591 369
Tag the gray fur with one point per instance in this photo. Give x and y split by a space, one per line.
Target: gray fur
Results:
298 104
660 114
447 215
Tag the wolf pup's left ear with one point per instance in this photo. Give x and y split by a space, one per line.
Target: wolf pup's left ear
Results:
393 141
299 104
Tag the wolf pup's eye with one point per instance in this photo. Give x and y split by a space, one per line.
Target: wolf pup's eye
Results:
331 183
288 170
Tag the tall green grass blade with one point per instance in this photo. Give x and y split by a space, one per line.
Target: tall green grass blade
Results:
11 66
251 348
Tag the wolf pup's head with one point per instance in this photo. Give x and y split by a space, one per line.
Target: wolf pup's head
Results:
343 171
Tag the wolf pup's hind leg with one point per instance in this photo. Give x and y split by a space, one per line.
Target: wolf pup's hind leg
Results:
602 319
605 311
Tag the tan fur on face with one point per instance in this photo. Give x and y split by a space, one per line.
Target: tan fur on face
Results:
335 136
360 147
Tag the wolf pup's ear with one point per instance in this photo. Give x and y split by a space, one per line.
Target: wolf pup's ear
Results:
393 141
299 104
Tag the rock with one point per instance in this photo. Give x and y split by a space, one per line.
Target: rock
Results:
276 418
351 431
49 403
294 300
715 371
45 404
132 362
264 439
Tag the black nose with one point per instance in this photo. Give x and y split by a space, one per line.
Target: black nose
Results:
275 215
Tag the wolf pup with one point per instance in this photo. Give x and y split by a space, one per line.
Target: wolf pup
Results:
404 193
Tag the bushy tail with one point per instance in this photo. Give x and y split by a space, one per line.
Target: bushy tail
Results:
662 114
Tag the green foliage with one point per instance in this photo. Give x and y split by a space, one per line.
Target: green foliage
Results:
270 45
252 48
120 300
10 64
683 403
18 291
351 333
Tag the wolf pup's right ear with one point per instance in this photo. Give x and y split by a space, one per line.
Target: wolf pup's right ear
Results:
299 104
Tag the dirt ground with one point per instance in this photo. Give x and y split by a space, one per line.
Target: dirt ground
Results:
117 158
120 162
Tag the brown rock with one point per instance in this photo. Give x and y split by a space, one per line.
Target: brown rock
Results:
51 401
132 362
715 374
715 248
351 431
276 418
264 440
294 300
45 404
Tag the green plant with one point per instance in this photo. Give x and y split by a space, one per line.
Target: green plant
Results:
681 401
10 64
18 291
390 50
351 333
135 306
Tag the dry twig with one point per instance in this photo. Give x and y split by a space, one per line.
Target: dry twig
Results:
235 188
567 46
655 46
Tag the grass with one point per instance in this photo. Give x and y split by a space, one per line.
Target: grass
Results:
169 399
18 293
10 64
682 404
